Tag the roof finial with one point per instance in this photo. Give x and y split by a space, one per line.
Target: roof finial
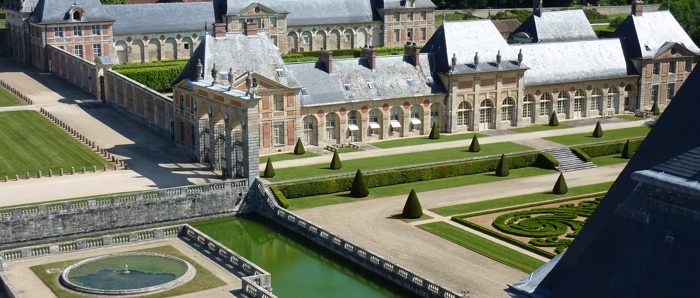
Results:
520 57
230 78
537 7
498 59
454 61
476 60
198 69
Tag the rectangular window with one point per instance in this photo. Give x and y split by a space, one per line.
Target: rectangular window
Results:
78 51
96 30
672 67
410 16
58 32
654 93
182 101
423 16
370 85
306 40
688 65
182 132
77 31
409 33
655 68
280 73
96 50
186 46
273 22
397 16
278 104
423 34
670 91
278 133
397 35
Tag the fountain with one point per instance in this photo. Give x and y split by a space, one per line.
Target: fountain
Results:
126 268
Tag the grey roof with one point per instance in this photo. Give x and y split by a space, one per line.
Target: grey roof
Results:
305 12
254 53
686 165
558 26
56 11
645 35
403 4
525 288
390 79
181 17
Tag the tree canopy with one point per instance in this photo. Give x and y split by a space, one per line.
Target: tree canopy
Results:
687 13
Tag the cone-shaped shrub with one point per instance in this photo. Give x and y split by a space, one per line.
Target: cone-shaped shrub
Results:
269 170
627 150
359 186
553 120
503 168
434 132
598 131
560 187
412 208
474 147
655 108
299 148
335 163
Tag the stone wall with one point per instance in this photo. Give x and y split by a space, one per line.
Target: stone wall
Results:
74 69
81 216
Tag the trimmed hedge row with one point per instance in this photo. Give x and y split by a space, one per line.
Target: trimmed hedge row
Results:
582 155
344 53
180 63
334 185
607 148
281 199
156 78
505 238
597 195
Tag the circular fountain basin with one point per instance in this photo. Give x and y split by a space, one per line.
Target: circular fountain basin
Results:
127 274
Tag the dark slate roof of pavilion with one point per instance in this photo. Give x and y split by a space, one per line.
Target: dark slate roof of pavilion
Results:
645 35
390 4
557 26
307 12
390 79
161 17
56 11
618 256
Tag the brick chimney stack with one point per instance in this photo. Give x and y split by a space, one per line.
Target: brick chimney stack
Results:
414 51
327 58
371 54
251 27
637 8
219 30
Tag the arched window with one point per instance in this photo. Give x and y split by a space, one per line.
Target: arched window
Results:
464 114
613 97
562 102
394 121
579 99
486 112
330 126
507 109
309 131
76 16
545 104
415 117
527 106
373 122
596 97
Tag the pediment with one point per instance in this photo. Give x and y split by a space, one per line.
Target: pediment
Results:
257 9
263 83
673 50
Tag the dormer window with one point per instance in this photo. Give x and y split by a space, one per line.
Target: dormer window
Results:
431 81
257 10
370 85
348 87
304 91
411 82
76 14
280 73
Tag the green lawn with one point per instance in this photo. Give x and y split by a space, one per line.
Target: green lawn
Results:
630 117
540 127
607 160
286 156
425 140
519 200
608 135
342 150
421 186
30 142
7 99
383 162
484 247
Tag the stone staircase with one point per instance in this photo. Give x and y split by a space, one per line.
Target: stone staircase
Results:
568 161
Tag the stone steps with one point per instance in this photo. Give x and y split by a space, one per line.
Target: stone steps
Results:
568 161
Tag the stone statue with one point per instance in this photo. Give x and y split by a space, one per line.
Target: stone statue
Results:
248 80
498 59
230 78
454 61
214 74
476 60
520 57
198 69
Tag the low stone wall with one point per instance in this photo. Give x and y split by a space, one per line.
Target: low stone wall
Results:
81 216
268 207
74 69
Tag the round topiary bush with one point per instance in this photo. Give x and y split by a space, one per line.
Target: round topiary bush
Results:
598 131
474 147
335 162
560 187
503 168
359 186
553 120
269 170
434 132
299 148
412 208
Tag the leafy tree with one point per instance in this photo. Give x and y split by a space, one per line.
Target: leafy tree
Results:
335 162
299 148
593 14
519 14
474 147
359 186
616 22
553 121
598 131
655 108
687 13
434 132
503 169
412 208
269 170
560 187
627 150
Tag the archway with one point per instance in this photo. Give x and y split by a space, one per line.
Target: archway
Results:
362 38
375 123
416 116
508 111
613 102
486 116
395 119
292 42
136 54
354 124
563 103
332 128
464 114
579 103
436 115
348 39
310 130
528 109
154 50
307 41
319 41
546 104
334 40
597 101
169 49
187 48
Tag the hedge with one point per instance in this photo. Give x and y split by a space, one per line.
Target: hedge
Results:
505 238
597 150
281 199
156 78
582 155
545 161
378 179
180 63
2 15
342 53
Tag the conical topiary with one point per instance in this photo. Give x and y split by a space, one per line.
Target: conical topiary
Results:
434 132
299 148
269 170
359 186
598 131
474 147
503 168
412 208
553 120
335 163
627 150
560 187
655 108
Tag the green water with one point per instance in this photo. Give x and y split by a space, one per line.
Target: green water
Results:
299 268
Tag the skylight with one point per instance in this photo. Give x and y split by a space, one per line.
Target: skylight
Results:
348 87
304 91
280 73
370 85
411 82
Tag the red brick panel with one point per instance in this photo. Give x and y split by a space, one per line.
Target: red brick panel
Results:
291 136
266 102
290 100
267 134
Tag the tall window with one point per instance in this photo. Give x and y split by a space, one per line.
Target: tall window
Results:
654 93
423 34
373 122
423 15
655 68
78 50
415 118
545 104
352 117
579 98
58 31
507 111
463 114
278 133
670 91
77 31
397 16
182 131
688 65
96 30
486 112
330 126
397 35
672 67
612 97
527 106
562 102
309 129
96 50
394 119
596 98
182 101
278 102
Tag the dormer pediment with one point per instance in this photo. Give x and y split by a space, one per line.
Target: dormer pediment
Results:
76 14
257 81
673 50
257 9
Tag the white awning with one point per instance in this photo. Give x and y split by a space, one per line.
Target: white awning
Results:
374 125
395 123
353 127
415 121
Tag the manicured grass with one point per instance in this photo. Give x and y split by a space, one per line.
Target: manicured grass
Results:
540 127
607 160
202 281
608 135
421 186
425 140
630 117
3 24
484 247
383 162
7 99
286 156
519 200
342 150
29 142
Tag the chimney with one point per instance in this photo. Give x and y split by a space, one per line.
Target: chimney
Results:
327 58
414 51
251 27
637 8
219 30
371 55
537 7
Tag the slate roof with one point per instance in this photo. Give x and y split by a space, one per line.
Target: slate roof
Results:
555 26
402 4
390 79
242 53
506 26
181 17
56 11
306 12
645 35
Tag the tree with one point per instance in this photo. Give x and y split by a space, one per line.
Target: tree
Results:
560 187
359 186
474 147
299 148
616 22
434 132
412 208
687 13
503 168
627 150
598 131
655 108
269 170
335 162
553 121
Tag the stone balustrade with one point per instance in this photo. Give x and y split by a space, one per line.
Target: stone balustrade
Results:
16 92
